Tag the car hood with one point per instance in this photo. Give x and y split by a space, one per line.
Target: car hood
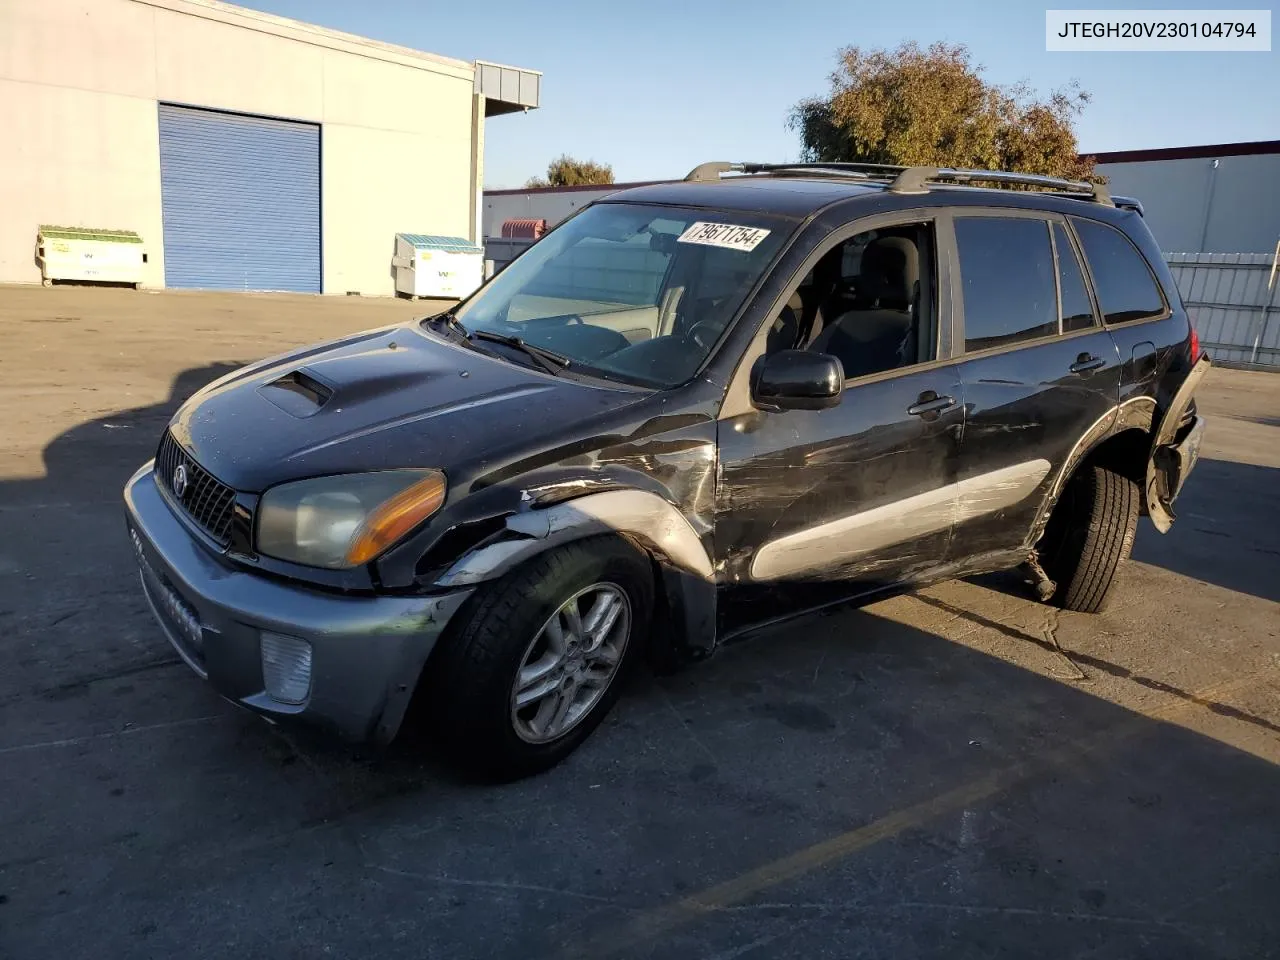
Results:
387 398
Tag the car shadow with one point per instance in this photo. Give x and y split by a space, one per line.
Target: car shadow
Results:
95 458
1226 533
1100 664
63 553
1261 421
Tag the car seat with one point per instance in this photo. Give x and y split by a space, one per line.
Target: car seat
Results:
878 331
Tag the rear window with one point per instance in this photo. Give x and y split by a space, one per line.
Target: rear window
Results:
1126 289
1007 271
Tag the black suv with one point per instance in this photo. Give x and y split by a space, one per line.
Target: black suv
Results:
689 409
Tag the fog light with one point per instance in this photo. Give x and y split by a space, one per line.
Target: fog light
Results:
286 667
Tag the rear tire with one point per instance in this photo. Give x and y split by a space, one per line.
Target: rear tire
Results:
502 630
1089 533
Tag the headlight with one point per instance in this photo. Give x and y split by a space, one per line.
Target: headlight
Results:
347 520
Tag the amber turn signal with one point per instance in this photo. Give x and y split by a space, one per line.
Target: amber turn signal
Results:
393 519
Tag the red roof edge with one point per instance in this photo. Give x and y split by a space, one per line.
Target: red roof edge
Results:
1249 149
575 189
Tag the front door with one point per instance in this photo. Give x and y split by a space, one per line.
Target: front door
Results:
1039 372
814 506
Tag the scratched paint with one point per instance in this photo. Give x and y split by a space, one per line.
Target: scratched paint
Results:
840 541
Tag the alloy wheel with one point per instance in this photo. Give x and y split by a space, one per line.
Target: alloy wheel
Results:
570 663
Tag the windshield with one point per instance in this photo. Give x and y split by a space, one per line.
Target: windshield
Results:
634 293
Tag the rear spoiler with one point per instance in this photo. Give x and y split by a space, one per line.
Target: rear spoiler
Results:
1121 203
1129 203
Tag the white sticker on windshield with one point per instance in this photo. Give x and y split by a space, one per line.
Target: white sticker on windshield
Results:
724 235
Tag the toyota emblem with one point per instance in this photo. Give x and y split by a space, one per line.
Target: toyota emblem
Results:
180 481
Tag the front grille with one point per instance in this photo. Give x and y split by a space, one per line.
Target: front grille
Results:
208 501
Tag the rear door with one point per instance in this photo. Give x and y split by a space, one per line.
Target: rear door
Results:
1039 370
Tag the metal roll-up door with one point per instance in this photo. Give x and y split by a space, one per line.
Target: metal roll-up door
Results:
240 197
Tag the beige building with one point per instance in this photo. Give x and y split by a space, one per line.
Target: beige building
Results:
248 151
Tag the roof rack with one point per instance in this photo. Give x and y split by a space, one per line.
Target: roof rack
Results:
712 170
909 180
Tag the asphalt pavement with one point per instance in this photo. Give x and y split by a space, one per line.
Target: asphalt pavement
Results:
960 773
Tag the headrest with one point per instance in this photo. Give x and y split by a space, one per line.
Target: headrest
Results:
889 273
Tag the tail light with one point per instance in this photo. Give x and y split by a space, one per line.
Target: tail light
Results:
1195 344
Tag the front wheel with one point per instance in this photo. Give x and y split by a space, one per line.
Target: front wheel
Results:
535 661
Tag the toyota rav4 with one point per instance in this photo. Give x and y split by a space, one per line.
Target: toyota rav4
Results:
689 409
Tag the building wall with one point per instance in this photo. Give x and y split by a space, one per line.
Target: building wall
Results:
1205 205
79 86
552 205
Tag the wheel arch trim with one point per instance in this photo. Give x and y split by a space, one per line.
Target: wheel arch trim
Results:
1134 414
638 514
653 524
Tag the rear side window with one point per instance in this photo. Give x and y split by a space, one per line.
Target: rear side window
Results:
1121 277
1006 266
1077 312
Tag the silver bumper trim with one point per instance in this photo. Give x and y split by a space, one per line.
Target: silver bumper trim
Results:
369 651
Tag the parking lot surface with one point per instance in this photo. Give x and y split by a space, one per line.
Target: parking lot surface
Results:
961 773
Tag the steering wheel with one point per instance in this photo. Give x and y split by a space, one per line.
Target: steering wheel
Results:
584 341
703 335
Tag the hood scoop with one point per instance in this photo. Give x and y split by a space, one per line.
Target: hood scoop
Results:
297 393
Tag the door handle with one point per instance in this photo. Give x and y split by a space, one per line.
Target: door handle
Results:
930 402
1086 362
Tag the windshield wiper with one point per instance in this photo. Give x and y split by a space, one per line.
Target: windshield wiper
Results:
548 360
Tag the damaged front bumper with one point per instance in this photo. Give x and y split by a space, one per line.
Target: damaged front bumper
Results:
349 664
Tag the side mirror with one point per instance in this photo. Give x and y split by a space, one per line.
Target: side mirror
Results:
797 380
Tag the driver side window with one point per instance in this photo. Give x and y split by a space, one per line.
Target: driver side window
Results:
869 301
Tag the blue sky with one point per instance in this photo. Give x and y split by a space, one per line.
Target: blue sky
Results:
655 88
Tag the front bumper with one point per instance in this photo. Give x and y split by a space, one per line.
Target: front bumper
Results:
366 652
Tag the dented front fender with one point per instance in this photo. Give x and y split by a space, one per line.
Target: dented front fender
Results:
645 516
654 524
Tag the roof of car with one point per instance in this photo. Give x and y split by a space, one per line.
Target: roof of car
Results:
787 196
799 196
